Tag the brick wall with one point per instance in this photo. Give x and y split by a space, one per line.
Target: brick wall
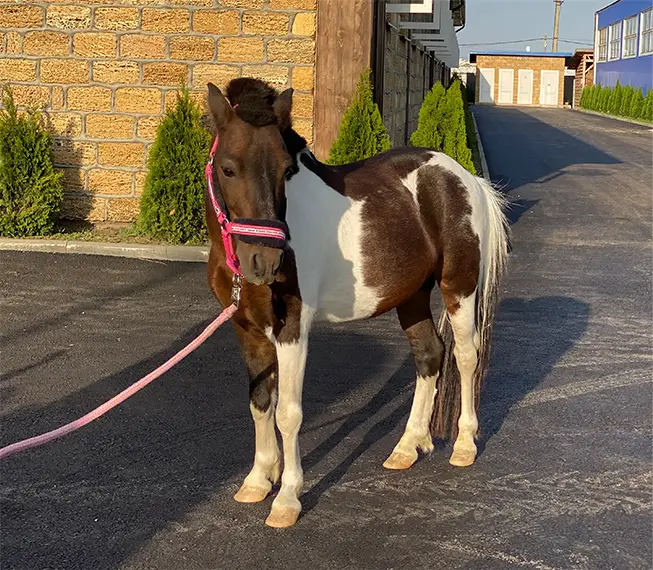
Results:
104 71
537 64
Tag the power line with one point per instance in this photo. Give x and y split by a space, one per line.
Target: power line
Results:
502 43
580 42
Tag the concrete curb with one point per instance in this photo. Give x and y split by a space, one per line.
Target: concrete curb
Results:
131 250
622 119
481 151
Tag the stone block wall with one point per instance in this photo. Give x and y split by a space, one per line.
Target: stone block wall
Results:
105 71
406 81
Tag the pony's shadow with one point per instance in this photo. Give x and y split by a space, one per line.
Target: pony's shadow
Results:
530 337
103 492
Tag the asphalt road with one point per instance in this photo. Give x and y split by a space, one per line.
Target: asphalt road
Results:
564 477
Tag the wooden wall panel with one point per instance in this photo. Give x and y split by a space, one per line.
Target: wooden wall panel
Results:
343 50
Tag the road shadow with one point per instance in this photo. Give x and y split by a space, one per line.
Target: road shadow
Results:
531 151
96 496
530 337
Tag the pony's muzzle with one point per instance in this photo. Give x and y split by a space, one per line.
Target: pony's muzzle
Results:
260 265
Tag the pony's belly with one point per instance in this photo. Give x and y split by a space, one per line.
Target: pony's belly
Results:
342 304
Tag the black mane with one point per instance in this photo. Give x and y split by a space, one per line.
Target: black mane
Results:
255 100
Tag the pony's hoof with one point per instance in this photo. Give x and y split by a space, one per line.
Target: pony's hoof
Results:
282 517
463 457
399 460
247 494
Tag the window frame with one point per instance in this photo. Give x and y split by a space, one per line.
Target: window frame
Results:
604 57
643 31
611 40
626 36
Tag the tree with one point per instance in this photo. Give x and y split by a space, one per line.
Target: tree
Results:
362 133
616 96
172 205
453 128
637 104
428 134
647 111
31 190
626 100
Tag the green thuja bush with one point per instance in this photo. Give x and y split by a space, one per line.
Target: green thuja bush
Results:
428 134
626 99
172 205
362 133
453 128
616 97
618 101
637 104
647 112
31 190
445 124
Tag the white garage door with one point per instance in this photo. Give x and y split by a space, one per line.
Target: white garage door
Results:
549 87
486 89
525 87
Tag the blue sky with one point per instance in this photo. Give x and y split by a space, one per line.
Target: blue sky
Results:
502 20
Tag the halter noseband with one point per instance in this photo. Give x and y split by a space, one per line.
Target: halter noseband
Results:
269 233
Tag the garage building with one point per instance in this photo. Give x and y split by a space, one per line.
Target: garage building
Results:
520 78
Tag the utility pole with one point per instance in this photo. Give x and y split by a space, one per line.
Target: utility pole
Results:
556 24
546 38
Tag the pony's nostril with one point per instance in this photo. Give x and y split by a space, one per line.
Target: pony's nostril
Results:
258 265
278 264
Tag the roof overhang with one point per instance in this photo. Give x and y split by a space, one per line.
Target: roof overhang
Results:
431 25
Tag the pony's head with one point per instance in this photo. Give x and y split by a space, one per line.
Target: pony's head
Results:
252 164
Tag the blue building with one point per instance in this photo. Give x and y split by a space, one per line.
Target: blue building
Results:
623 44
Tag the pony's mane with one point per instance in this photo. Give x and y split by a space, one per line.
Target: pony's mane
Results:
255 100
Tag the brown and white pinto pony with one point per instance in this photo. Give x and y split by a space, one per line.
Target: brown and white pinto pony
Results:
363 239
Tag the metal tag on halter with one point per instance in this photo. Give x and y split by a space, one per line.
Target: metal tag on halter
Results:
236 287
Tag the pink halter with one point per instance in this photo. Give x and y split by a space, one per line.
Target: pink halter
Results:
270 233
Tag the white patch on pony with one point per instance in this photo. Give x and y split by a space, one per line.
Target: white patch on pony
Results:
291 357
327 232
410 182
463 324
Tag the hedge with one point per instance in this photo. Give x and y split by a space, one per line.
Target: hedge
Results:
622 101
31 190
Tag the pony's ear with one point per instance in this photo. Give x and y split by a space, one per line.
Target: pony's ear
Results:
220 108
283 108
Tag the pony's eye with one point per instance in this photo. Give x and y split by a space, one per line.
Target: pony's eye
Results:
289 172
228 172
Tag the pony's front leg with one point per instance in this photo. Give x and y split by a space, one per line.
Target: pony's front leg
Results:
261 360
292 347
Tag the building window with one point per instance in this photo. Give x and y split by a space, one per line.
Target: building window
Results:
646 39
615 40
603 44
630 37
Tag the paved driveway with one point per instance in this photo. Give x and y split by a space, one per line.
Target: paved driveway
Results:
563 480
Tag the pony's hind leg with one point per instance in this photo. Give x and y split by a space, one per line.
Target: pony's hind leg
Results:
261 360
428 350
462 315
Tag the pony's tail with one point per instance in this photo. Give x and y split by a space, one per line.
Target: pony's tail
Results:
494 258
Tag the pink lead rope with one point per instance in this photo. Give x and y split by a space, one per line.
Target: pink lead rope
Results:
113 402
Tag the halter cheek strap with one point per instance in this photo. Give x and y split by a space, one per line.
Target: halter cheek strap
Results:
269 233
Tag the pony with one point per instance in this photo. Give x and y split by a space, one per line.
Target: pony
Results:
295 241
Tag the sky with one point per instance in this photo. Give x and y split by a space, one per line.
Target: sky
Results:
505 20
